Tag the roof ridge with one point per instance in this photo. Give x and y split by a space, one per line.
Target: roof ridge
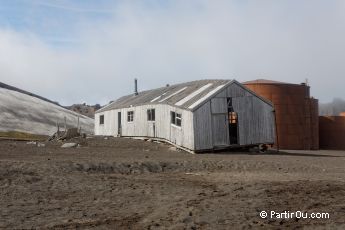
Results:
172 93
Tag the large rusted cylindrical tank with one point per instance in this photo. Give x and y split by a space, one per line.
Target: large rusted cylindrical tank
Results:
296 113
332 132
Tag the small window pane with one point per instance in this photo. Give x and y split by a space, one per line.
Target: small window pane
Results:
232 118
176 119
173 117
151 114
178 122
101 120
130 116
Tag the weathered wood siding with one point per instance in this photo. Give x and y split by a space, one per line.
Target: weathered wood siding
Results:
220 130
141 127
203 127
110 127
255 119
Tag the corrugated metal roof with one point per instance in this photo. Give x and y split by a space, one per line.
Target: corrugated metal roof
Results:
185 95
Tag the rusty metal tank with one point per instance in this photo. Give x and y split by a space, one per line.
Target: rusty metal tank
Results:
297 117
332 132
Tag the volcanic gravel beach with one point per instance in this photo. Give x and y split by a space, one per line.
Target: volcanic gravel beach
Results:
118 183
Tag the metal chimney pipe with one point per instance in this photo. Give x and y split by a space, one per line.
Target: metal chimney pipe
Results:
135 86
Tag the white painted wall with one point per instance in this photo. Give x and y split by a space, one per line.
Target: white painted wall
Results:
141 127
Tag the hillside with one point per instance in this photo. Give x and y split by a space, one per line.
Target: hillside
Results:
84 109
25 112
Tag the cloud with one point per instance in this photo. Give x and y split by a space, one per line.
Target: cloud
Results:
175 42
72 8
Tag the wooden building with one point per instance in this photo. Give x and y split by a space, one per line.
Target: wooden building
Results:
199 116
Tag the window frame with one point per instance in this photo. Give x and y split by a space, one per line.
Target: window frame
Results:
176 119
130 116
101 119
172 117
151 114
233 118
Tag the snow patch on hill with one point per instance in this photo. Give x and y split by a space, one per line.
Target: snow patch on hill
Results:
25 113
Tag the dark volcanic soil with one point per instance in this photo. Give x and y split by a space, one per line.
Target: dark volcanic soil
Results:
131 184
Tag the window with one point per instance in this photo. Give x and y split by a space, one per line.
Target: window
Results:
173 117
232 117
130 116
151 116
229 99
176 118
101 119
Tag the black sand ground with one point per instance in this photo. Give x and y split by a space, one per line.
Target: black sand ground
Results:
130 184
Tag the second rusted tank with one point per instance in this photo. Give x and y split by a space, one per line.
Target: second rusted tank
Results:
297 118
332 132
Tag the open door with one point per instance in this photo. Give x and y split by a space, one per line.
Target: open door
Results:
119 126
233 123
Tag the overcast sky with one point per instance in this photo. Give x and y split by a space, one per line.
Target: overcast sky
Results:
74 51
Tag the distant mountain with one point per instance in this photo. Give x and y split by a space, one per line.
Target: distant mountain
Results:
84 109
23 111
333 108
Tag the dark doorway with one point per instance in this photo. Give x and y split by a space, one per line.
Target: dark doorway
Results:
233 123
119 124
